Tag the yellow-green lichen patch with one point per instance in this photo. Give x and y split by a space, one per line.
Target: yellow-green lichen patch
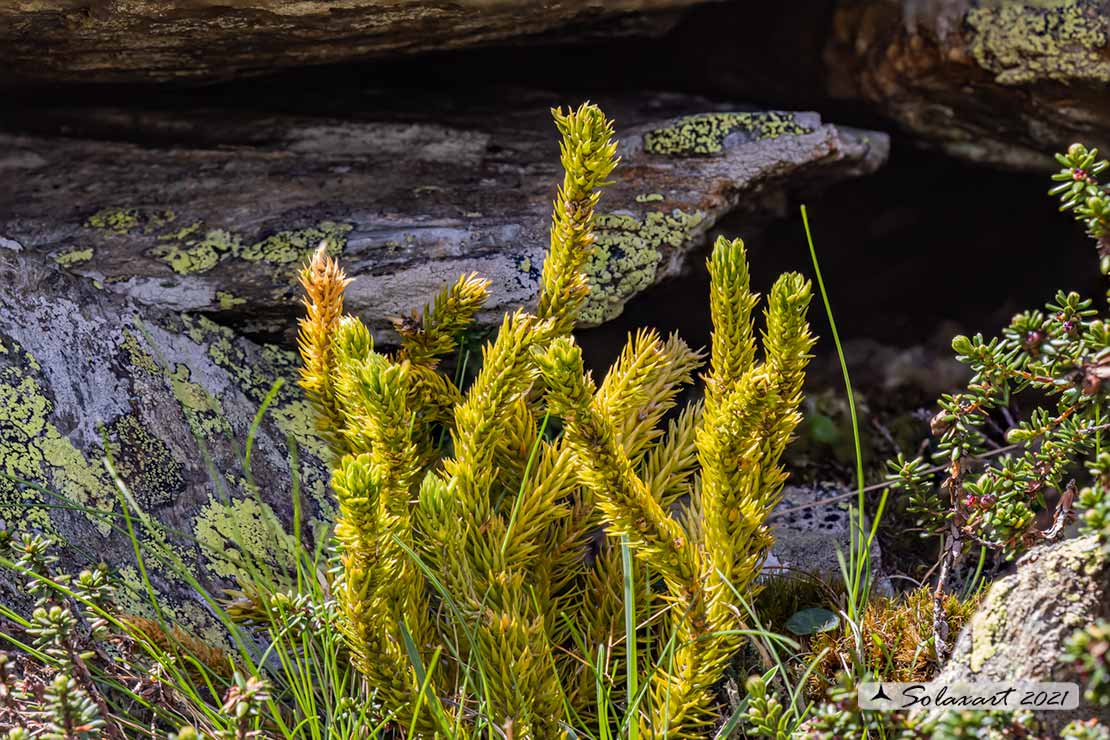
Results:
649 198
626 257
704 134
241 537
286 247
137 355
203 412
198 255
33 449
144 462
229 301
189 251
182 234
1025 42
72 257
117 220
987 629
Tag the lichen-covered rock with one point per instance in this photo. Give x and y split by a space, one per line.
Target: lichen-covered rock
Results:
85 377
160 40
993 81
1002 82
1020 630
220 222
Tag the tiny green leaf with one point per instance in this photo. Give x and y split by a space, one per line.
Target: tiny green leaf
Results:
811 621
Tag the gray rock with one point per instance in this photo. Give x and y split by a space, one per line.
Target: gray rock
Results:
1003 82
1021 627
86 375
160 40
219 221
808 534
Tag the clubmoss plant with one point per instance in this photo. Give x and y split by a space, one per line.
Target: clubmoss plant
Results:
474 587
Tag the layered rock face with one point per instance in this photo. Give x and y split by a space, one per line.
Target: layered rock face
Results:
160 41
997 82
110 410
410 199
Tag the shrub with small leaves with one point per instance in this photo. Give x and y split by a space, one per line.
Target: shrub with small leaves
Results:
245 704
1089 650
841 717
1081 192
1060 357
70 713
765 715
1090 729
994 725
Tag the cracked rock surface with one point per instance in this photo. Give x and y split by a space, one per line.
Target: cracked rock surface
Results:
219 221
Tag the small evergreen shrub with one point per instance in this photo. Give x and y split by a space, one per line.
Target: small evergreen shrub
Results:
473 586
1061 358
1088 649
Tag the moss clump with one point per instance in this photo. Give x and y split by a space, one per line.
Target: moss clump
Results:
1026 42
117 220
899 638
626 256
704 134
72 257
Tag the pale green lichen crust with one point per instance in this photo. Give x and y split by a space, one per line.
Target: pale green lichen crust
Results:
704 134
243 537
73 257
1022 42
229 301
626 257
118 220
194 248
33 449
